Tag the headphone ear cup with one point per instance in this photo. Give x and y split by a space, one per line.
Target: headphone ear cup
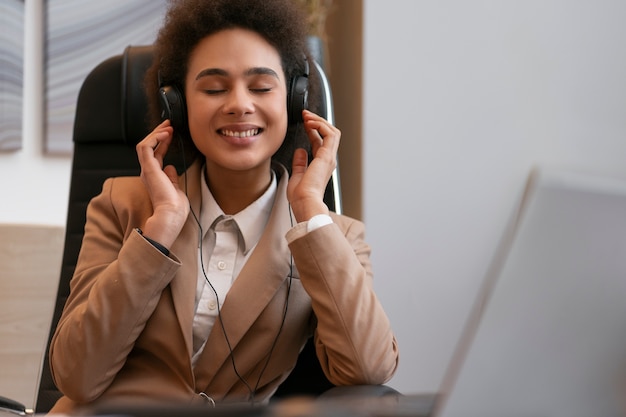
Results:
298 98
173 107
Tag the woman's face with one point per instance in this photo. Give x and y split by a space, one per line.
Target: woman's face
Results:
236 100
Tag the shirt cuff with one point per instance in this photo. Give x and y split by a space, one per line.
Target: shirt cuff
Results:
318 221
303 228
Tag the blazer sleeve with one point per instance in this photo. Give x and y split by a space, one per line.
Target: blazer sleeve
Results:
116 286
354 340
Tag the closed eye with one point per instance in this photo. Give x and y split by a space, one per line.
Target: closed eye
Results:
261 90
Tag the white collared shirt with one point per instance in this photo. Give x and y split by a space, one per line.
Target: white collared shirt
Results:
226 244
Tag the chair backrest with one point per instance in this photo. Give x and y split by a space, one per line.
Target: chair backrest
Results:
110 120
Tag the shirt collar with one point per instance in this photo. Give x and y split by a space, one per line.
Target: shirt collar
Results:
250 221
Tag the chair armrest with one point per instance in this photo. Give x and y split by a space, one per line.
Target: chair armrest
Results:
14 407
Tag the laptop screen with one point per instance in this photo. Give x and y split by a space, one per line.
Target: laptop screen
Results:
547 336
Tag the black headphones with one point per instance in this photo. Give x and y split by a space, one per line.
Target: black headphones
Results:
298 95
173 105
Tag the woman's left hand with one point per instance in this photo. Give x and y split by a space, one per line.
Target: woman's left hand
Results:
307 184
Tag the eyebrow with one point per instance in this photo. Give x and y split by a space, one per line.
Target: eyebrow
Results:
223 73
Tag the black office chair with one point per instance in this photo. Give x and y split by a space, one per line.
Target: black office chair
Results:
110 120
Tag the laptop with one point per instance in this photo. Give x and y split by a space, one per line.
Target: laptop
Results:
547 336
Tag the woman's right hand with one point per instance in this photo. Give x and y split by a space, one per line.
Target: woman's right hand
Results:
169 202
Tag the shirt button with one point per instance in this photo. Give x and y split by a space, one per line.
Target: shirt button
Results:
221 265
212 304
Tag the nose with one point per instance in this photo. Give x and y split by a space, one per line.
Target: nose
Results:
239 101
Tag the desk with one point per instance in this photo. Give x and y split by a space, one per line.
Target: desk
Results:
337 406
413 405
30 265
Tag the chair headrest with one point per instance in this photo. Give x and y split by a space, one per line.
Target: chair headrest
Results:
112 105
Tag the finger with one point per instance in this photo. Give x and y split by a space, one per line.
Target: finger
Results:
164 140
150 139
156 144
324 128
172 174
164 123
321 133
311 126
300 161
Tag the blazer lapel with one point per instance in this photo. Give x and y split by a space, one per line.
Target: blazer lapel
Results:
257 283
183 286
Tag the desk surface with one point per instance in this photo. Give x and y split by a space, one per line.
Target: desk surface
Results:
413 405
348 406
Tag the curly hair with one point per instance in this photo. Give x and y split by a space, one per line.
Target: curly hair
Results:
280 22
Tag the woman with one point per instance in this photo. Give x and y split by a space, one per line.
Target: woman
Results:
205 286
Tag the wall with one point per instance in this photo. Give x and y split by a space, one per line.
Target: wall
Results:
461 99
35 187
344 70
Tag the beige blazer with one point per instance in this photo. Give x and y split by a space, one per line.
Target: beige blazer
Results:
126 330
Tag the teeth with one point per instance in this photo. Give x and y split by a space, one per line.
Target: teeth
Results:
240 134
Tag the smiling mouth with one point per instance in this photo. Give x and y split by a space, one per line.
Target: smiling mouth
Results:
240 133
